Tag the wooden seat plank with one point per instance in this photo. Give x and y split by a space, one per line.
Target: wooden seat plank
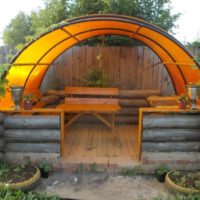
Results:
100 108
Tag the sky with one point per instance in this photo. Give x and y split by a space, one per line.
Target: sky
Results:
188 24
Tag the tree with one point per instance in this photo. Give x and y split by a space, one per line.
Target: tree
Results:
17 30
54 12
196 43
157 12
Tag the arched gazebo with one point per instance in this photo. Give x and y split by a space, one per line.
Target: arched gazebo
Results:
28 68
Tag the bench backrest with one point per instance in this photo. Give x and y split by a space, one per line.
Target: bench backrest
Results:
92 91
102 95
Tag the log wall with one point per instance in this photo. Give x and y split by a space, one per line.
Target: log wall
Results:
165 132
31 134
2 130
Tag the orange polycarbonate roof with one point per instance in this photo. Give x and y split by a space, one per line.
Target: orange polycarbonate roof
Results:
30 65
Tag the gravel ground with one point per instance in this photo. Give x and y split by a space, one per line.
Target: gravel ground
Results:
100 186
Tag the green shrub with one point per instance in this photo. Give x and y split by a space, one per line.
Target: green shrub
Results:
161 169
45 166
8 194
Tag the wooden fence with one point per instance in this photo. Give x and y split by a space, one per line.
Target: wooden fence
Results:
128 68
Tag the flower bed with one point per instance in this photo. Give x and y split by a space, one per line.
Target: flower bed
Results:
23 177
183 181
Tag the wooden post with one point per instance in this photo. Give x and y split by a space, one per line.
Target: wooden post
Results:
62 132
140 128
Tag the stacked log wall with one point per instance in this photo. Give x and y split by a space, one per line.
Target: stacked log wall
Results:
171 133
32 134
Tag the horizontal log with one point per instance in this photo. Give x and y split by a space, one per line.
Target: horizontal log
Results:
2 144
51 99
122 93
133 103
128 111
171 146
2 117
39 121
169 121
33 147
159 135
19 157
138 93
31 135
59 93
162 100
2 129
118 119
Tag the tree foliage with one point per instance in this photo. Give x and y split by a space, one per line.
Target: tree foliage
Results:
54 12
16 32
196 43
157 12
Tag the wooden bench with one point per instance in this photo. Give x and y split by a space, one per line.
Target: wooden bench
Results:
92 100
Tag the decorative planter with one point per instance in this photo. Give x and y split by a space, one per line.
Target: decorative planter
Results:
181 105
193 92
28 104
24 185
16 93
177 188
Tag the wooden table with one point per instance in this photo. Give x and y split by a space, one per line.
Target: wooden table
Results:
94 109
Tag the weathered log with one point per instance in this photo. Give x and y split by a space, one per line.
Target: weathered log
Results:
2 117
31 135
38 122
118 119
133 103
59 93
32 147
19 157
162 101
157 135
169 121
129 111
2 144
51 99
171 146
2 129
138 93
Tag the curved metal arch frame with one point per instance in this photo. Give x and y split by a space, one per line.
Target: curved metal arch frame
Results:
119 18
123 35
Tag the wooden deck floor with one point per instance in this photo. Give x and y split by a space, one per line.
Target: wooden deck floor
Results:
85 143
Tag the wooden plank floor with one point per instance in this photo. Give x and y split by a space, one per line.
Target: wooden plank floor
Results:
86 143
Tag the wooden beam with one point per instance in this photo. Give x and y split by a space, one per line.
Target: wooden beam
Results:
62 132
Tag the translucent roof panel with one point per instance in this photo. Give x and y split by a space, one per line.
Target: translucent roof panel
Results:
36 57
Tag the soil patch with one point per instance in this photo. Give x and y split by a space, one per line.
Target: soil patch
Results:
18 174
102 186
